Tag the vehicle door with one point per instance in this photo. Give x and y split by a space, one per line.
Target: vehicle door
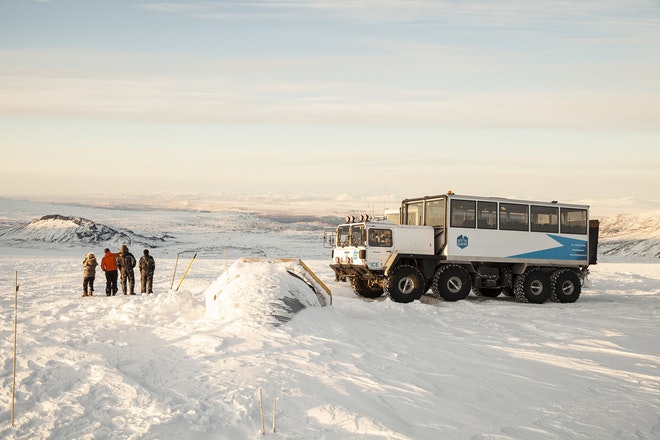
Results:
379 247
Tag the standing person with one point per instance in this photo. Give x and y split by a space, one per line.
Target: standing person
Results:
109 266
89 273
125 264
147 267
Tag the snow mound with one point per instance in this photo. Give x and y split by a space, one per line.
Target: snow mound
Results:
73 230
257 292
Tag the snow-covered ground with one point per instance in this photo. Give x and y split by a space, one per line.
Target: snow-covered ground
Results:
172 366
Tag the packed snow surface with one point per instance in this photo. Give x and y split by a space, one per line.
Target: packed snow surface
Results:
172 365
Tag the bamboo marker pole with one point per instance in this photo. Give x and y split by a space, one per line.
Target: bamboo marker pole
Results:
13 382
185 273
275 414
261 411
174 274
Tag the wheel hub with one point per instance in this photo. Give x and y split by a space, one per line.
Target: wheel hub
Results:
567 287
536 287
454 284
406 285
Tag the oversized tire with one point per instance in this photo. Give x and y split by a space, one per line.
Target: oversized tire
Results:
565 286
490 292
364 289
533 286
451 283
405 284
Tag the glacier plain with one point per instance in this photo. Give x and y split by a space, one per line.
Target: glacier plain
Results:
162 366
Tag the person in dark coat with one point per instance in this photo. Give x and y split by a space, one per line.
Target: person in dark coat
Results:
125 265
89 273
147 267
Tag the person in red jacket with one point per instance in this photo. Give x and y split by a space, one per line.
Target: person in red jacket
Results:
109 266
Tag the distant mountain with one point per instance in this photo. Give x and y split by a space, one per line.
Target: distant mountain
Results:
630 235
74 230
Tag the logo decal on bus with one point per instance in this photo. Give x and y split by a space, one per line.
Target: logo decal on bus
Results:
462 241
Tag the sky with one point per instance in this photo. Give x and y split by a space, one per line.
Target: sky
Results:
376 100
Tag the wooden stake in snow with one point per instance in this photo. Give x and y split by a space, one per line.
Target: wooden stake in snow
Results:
261 411
275 414
13 382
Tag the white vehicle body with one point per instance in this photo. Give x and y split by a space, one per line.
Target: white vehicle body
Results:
409 239
510 246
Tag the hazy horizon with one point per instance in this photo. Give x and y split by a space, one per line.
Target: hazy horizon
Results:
300 204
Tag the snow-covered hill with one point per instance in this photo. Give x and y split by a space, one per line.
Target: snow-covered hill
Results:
230 234
625 226
75 230
630 235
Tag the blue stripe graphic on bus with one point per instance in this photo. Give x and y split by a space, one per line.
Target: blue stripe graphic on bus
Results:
570 249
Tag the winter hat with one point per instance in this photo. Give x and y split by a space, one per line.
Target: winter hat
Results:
146 252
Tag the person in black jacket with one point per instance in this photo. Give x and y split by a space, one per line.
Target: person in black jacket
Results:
125 264
147 267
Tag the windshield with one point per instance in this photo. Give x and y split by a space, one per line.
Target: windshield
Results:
351 235
343 233
358 235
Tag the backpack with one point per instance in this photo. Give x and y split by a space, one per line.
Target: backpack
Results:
147 264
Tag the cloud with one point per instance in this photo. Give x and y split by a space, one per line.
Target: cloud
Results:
325 90
396 10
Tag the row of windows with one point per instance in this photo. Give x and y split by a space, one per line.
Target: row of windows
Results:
517 217
425 212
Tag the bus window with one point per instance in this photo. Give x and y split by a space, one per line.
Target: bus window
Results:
414 213
573 221
463 213
487 215
435 213
514 217
380 237
392 215
545 219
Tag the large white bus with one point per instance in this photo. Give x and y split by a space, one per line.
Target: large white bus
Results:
454 244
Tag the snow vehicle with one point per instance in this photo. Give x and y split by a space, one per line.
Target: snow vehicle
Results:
454 244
